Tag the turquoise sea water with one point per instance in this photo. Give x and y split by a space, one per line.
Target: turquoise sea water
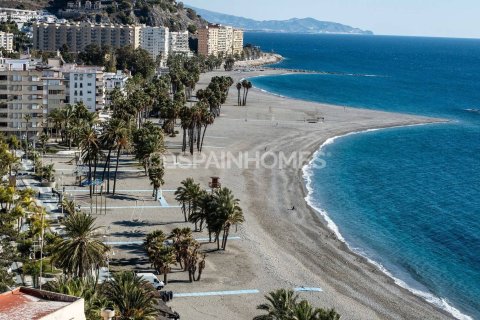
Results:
407 198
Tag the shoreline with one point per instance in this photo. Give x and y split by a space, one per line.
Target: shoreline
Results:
307 173
277 241
437 301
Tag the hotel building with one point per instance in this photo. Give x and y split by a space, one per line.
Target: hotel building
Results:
155 40
28 87
219 40
77 35
6 41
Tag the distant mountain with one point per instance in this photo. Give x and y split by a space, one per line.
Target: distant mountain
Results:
295 25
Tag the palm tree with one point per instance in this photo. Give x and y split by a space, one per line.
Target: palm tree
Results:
247 85
155 174
280 305
114 131
188 194
85 288
202 210
227 212
43 139
148 141
186 119
180 237
131 296
69 206
90 152
161 257
239 87
206 119
81 251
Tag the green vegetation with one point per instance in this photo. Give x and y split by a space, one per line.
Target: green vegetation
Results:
284 305
220 210
20 40
129 295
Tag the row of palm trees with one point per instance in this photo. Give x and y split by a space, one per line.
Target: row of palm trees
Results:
184 250
219 210
284 304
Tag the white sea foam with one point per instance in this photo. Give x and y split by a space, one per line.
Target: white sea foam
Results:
307 175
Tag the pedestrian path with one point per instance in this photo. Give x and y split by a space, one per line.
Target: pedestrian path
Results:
136 207
236 292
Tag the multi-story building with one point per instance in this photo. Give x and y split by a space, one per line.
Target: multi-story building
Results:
114 80
155 40
18 16
84 84
179 42
237 45
27 88
77 35
219 40
225 40
6 41
208 40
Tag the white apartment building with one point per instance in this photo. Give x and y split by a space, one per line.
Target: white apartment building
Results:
155 40
20 17
114 80
225 40
179 42
84 84
6 41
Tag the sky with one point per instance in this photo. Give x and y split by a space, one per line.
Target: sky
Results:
439 18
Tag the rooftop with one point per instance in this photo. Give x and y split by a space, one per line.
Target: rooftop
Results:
26 303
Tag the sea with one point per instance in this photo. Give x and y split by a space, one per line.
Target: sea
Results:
407 198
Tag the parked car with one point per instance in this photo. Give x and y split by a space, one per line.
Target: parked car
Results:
152 279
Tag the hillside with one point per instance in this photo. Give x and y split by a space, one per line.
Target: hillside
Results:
295 25
167 13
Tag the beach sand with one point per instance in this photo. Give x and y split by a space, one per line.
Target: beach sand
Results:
282 248
276 247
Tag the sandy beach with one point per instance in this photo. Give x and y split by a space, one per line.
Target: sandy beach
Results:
276 247
281 248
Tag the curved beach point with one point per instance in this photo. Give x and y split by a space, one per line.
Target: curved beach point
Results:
280 247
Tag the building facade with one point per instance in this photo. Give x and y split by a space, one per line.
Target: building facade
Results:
77 35
179 42
225 40
113 80
18 16
155 40
208 40
6 41
26 88
237 46
219 40
84 84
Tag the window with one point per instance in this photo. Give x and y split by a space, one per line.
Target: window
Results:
3 78
89 84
